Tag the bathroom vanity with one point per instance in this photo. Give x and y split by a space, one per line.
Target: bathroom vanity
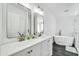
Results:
41 46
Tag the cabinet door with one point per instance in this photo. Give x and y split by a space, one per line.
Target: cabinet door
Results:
46 48
51 46
35 50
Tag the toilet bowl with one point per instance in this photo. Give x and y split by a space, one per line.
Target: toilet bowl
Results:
64 40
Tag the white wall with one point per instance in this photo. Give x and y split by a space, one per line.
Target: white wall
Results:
65 18
63 14
4 33
49 24
0 22
0 25
65 24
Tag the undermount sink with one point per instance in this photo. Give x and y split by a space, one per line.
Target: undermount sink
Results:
64 40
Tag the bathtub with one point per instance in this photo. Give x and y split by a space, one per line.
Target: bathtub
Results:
64 40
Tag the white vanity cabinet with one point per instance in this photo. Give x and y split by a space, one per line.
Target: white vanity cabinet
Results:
42 49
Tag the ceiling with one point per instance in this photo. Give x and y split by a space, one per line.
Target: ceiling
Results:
60 8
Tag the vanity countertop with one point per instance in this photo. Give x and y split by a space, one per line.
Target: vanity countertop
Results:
14 47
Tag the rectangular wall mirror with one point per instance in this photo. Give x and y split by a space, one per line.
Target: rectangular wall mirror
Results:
17 20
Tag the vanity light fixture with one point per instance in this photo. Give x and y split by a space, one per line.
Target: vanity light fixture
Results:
33 8
38 10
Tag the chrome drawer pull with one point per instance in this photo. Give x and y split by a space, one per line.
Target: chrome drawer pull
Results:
28 52
31 50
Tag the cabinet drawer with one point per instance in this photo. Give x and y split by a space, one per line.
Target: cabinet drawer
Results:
33 51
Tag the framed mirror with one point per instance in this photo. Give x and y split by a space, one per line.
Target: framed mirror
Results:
17 20
38 24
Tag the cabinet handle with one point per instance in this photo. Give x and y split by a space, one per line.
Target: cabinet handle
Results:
31 50
28 52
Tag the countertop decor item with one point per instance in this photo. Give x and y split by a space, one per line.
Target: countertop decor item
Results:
21 37
28 37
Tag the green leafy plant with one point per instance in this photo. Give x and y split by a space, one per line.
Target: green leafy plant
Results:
28 37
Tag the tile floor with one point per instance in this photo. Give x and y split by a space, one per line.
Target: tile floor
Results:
59 50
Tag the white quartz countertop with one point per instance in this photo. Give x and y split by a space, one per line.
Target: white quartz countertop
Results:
14 47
